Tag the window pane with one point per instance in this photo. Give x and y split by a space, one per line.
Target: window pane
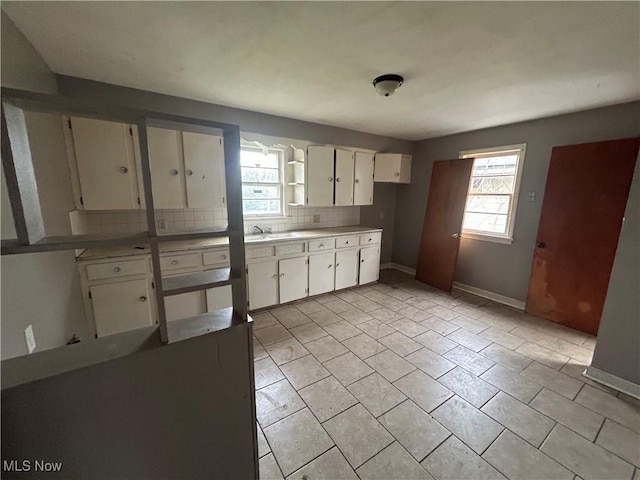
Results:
485 222
252 158
260 207
260 175
492 184
488 204
260 191
502 165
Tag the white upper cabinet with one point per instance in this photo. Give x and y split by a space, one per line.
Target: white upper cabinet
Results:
319 178
393 167
204 170
167 168
104 158
363 182
344 178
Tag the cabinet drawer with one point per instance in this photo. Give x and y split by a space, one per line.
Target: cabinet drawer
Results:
124 268
344 242
323 244
260 252
175 262
289 248
219 256
370 238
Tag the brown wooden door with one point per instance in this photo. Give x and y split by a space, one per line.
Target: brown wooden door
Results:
443 222
584 203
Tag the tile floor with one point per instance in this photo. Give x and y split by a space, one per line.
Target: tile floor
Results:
396 380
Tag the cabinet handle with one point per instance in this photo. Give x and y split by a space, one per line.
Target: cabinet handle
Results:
331 179
275 275
357 181
369 240
189 172
321 245
338 179
330 266
174 262
224 257
397 174
337 264
143 299
362 261
347 242
282 275
124 169
116 269
174 172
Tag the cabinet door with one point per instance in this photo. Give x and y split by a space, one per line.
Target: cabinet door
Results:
183 306
167 172
405 169
203 157
218 298
344 177
346 269
105 162
263 284
119 307
387 167
369 265
363 183
293 279
319 176
321 273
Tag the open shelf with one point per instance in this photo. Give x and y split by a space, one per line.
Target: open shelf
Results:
293 162
195 234
193 282
203 324
294 183
72 242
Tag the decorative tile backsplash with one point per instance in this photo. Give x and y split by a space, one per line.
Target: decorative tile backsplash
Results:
299 218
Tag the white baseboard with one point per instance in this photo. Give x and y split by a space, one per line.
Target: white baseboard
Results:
397 266
496 297
624 386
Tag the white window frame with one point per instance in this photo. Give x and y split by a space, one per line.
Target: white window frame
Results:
506 238
281 174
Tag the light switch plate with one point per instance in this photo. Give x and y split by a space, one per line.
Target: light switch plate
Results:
30 338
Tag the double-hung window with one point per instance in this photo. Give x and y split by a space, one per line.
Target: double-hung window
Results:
262 188
493 193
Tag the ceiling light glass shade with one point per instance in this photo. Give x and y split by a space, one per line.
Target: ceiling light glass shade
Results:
386 85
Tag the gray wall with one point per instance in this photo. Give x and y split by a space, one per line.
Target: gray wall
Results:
178 411
618 347
260 123
40 289
498 268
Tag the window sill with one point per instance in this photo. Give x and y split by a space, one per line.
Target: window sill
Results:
269 218
488 238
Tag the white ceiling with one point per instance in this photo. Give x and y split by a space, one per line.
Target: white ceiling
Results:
466 65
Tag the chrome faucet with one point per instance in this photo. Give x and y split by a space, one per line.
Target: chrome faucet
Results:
257 229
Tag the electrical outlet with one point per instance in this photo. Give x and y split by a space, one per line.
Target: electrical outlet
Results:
532 196
316 219
162 224
30 338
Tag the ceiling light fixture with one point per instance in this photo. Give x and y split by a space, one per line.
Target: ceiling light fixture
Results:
386 85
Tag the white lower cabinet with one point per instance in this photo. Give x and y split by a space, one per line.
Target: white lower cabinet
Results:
218 298
122 306
369 264
293 276
262 280
321 273
184 305
346 268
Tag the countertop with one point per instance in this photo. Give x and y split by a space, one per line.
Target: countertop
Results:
294 235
